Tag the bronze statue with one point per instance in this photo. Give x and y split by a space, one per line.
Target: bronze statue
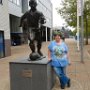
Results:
33 20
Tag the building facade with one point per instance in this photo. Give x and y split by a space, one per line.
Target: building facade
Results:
45 6
10 32
4 29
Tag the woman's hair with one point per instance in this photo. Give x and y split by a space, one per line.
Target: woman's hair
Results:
57 33
63 37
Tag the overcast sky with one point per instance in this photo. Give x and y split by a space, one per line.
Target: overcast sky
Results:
57 20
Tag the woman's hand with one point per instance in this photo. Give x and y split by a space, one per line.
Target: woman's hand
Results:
49 59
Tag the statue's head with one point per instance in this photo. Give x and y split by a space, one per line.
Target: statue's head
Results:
33 4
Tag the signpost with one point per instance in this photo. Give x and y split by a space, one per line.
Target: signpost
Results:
80 26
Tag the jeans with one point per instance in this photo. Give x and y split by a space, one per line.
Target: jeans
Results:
61 73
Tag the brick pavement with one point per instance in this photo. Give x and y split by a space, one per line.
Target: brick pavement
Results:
78 72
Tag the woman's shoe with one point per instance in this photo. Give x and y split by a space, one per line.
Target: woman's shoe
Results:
69 83
62 87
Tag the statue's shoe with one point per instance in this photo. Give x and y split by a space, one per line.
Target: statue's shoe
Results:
40 53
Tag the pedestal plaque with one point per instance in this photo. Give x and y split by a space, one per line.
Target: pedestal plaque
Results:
31 75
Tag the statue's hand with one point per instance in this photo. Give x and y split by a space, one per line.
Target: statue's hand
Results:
20 25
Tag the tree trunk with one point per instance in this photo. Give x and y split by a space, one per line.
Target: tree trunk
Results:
86 31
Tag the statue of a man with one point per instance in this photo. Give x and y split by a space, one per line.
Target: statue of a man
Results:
33 20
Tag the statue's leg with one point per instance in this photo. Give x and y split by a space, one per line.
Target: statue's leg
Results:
39 49
31 39
32 46
39 42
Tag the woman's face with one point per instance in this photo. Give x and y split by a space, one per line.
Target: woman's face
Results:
57 38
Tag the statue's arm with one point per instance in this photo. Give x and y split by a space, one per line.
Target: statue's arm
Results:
42 19
23 17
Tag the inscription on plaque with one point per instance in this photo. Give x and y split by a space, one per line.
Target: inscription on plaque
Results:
26 73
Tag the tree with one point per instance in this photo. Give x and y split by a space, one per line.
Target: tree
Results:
86 17
74 32
68 11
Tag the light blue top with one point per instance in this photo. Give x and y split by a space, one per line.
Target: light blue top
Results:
58 54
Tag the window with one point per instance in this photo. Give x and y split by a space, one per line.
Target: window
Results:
2 47
11 0
17 2
0 1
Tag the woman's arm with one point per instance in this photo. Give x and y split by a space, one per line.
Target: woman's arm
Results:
49 55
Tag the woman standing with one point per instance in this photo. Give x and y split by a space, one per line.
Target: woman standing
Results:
58 57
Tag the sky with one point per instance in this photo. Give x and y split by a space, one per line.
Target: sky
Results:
57 19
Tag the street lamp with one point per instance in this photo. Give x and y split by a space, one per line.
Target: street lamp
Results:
82 30
80 4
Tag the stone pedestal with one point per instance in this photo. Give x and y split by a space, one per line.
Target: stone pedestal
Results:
31 75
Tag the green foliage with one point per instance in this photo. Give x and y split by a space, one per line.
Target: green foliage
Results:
87 28
71 33
74 32
68 11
